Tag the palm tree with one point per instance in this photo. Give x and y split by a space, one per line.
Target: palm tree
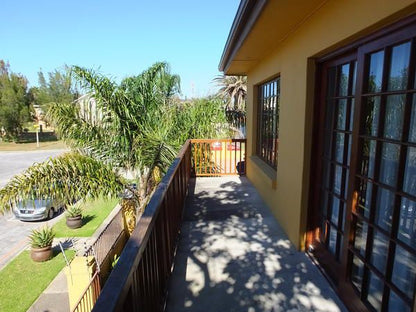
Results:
233 89
132 139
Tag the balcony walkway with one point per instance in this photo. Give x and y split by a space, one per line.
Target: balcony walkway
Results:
233 256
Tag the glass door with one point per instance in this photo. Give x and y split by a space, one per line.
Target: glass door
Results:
363 182
382 253
335 159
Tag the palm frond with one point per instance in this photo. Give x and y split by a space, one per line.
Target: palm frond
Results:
68 177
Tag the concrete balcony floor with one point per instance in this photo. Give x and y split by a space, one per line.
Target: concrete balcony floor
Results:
234 256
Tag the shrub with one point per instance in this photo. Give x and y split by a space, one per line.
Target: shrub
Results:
40 238
74 210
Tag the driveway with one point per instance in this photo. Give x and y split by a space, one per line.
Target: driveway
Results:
13 233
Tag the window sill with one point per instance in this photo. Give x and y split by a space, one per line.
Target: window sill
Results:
268 171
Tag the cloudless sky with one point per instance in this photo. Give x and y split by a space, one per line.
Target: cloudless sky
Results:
120 38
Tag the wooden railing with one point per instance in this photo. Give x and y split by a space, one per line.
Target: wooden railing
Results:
109 243
211 157
139 280
90 295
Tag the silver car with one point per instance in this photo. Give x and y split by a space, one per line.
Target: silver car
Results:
37 209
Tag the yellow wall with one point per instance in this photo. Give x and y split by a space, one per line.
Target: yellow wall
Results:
335 24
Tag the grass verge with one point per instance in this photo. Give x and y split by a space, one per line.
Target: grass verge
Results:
11 146
22 280
95 213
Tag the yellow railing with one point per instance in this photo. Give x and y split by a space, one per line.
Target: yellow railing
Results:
212 157
90 295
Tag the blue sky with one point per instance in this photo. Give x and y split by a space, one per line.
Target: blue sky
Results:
119 38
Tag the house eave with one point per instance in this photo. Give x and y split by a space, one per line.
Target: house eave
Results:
247 14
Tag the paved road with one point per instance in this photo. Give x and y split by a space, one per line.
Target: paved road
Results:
12 163
13 233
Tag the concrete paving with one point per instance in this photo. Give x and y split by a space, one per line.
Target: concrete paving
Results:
55 297
13 233
234 256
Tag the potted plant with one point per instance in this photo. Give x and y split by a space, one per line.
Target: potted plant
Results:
74 216
41 243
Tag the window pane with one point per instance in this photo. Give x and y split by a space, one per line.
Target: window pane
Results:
357 273
343 81
371 115
409 183
361 236
348 137
394 116
339 148
399 67
368 158
412 128
344 212
345 193
397 304
407 224
376 71
268 107
354 78
364 198
332 240
404 271
389 163
335 210
342 114
338 179
375 291
379 251
352 115
384 208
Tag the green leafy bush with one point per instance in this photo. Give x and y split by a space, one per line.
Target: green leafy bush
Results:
40 238
74 210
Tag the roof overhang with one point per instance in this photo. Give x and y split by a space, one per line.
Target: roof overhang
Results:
259 27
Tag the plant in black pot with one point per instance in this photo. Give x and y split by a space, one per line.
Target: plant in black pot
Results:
74 215
41 243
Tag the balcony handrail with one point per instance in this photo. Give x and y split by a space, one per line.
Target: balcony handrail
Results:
218 157
120 281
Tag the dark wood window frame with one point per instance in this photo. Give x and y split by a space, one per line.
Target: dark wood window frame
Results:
268 121
339 271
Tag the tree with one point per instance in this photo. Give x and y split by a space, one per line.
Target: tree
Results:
233 89
58 88
136 137
14 104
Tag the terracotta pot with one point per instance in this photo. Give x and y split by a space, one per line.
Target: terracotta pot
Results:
74 222
41 254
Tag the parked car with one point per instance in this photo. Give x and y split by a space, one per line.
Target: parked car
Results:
216 146
37 209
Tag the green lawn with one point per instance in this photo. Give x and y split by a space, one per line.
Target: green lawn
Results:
22 280
95 213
